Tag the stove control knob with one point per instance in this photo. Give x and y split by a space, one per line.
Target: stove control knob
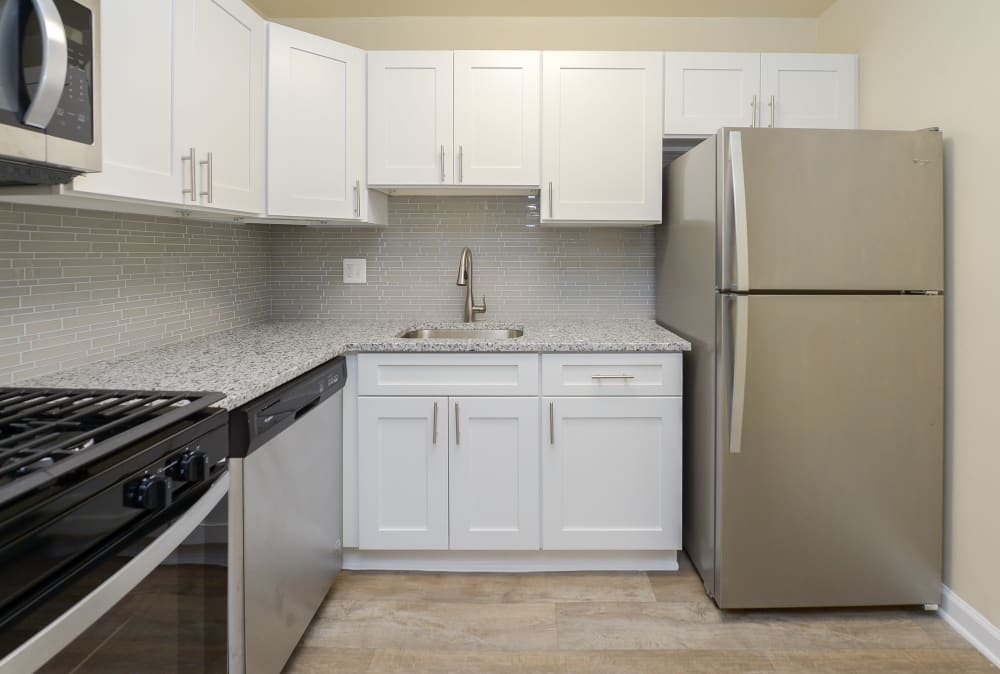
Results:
190 467
150 492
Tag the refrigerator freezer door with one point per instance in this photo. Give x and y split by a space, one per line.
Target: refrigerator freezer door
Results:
832 494
831 210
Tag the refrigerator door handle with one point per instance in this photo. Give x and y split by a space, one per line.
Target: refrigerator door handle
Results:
741 305
741 257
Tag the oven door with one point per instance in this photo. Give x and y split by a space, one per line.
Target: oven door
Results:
158 605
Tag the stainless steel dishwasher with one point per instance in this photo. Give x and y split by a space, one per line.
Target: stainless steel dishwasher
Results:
286 515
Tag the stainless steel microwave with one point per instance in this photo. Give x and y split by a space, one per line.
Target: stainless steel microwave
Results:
50 122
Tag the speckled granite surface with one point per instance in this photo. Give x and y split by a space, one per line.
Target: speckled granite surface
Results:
247 362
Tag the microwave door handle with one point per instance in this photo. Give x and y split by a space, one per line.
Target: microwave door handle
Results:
55 62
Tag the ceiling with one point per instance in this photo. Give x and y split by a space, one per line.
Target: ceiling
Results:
660 8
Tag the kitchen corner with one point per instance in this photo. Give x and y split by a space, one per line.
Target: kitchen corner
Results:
578 338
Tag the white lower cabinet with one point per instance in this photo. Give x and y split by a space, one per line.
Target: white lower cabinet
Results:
403 473
611 470
425 462
493 473
592 467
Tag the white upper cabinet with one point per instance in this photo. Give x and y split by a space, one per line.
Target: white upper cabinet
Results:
453 118
602 123
142 155
221 98
818 91
497 118
410 117
182 104
315 127
705 91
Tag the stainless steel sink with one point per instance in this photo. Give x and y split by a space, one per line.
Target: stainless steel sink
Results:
462 333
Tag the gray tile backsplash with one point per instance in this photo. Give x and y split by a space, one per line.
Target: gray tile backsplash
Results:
83 286
80 286
525 272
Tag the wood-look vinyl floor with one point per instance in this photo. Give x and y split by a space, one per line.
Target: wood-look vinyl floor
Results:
603 623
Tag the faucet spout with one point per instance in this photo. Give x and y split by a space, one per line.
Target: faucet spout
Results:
465 279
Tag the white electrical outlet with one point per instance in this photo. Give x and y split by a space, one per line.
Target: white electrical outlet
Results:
355 271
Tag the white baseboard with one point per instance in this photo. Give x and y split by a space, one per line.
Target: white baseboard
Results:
509 561
971 624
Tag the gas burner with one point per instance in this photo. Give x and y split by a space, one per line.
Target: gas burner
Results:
42 430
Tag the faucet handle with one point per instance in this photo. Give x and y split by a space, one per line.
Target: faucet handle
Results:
479 309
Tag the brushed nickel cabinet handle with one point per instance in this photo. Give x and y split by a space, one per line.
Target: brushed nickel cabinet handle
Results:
357 201
442 163
552 423
461 159
208 178
753 112
434 432
612 376
550 198
771 105
458 432
192 175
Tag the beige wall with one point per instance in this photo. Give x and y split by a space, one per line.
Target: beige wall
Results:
331 8
589 32
934 63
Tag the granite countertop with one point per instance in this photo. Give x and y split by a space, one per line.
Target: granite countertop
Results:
247 362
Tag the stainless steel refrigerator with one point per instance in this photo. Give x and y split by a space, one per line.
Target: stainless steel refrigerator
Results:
806 267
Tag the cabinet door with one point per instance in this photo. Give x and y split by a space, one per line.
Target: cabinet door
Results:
611 473
402 473
497 117
809 91
704 91
410 118
493 474
602 121
220 100
142 154
315 126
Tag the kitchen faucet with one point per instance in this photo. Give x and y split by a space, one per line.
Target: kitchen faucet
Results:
465 279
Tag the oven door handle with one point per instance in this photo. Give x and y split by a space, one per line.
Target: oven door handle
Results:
55 63
58 634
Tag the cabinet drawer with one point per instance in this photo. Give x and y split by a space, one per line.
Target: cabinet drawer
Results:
611 374
454 374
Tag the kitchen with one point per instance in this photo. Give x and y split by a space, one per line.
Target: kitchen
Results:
183 266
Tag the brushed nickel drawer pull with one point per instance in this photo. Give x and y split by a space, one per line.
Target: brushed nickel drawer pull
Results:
458 433
612 376
552 423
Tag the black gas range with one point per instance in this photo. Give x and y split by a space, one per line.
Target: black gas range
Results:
112 522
